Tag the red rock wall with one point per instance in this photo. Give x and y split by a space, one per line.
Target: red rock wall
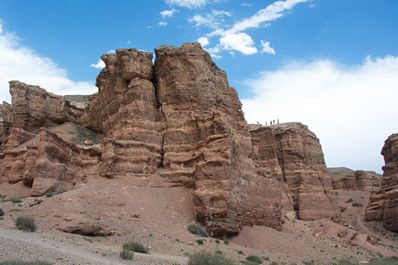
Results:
293 155
347 179
383 204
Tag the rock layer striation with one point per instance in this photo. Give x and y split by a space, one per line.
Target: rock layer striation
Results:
383 204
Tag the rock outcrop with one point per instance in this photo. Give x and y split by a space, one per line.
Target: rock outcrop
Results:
46 163
293 154
383 204
178 119
347 179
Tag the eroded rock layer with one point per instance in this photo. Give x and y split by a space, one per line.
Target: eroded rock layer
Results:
347 179
294 155
46 163
178 119
383 204
207 144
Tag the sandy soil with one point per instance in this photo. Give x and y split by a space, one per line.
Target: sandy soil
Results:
152 212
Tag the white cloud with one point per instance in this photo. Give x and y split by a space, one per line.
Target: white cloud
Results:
162 23
266 48
191 4
352 110
18 62
203 41
270 13
262 17
168 13
241 42
213 19
99 65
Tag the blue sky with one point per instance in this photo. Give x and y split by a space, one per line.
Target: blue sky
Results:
337 56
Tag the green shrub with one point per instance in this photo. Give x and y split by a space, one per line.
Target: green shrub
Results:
83 135
384 261
26 224
1 212
198 230
206 258
14 262
135 247
15 200
254 259
55 192
126 254
200 242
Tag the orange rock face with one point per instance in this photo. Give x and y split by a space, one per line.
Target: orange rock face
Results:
383 204
293 154
178 119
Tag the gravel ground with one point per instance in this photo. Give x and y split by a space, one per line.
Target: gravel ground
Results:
17 245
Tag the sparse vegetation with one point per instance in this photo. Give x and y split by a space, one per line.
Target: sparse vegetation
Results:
37 201
384 261
83 135
206 258
13 262
135 247
15 200
200 242
1 212
127 254
349 200
198 230
357 204
26 224
55 192
254 259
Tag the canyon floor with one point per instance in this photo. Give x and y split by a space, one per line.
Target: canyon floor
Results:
150 211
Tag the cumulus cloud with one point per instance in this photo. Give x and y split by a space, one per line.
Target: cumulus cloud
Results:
99 65
162 23
168 13
18 62
203 41
241 42
261 18
351 109
266 48
191 4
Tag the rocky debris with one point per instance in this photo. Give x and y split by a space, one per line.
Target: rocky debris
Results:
78 224
347 179
43 157
383 204
293 155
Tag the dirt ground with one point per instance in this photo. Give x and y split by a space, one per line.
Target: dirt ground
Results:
156 214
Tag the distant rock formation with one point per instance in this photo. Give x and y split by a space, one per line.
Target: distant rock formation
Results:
293 154
346 179
383 204
177 118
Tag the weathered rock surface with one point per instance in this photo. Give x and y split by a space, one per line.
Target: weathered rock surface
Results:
207 144
383 204
46 163
178 119
347 179
293 154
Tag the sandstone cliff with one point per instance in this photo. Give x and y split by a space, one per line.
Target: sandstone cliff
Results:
178 119
293 154
383 204
347 179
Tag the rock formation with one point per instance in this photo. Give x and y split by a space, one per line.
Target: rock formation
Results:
383 204
294 155
347 179
178 119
